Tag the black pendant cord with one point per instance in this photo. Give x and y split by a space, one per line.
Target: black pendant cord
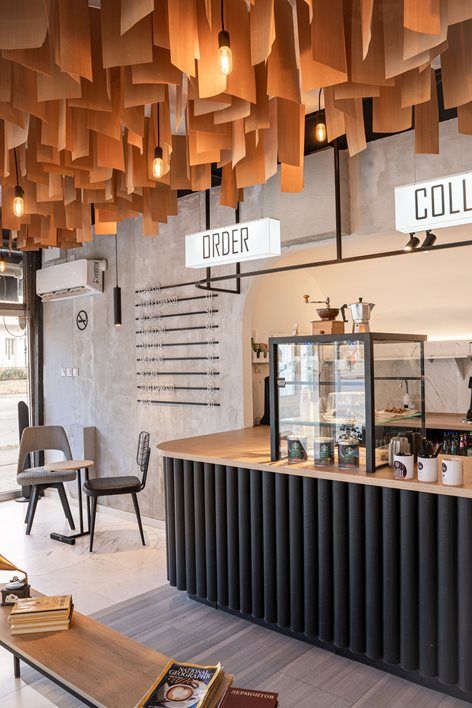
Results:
319 102
223 15
158 128
16 166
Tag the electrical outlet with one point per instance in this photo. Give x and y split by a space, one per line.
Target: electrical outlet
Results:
68 371
63 372
75 371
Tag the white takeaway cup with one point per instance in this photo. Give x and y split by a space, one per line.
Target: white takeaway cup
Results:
404 466
452 472
427 469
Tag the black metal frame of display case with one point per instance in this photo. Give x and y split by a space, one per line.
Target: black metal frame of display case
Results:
368 338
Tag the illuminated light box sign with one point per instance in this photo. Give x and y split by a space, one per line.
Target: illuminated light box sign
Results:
434 204
232 244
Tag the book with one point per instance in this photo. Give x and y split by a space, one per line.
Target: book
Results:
183 686
41 614
32 605
235 697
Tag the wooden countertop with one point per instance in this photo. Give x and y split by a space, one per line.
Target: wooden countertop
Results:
250 448
447 421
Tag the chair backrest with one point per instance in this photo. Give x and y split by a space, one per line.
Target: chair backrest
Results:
142 455
43 437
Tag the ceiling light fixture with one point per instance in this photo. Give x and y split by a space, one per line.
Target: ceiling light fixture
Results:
158 162
320 125
412 243
225 55
18 199
430 240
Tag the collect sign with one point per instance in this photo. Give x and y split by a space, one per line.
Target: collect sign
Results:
233 244
446 201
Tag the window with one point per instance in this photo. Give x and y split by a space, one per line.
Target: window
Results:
9 348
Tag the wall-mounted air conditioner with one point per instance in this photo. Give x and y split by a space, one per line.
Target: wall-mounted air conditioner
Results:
71 279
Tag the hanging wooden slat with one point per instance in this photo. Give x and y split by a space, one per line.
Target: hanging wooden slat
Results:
133 47
292 177
422 16
210 81
355 132
282 74
415 87
464 119
183 35
388 114
427 121
314 73
415 43
288 128
458 11
38 59
370 70
335 123
366 21
262 22
132 11
327 32
393 34
230 194
456 65
74 30
23 25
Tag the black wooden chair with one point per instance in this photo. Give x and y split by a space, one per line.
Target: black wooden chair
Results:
108 486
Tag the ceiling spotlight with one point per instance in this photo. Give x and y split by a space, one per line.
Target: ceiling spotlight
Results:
412 243
429 241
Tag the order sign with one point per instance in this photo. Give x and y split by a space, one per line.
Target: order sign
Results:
233 244
446 201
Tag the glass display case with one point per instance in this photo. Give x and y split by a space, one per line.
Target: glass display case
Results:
338 399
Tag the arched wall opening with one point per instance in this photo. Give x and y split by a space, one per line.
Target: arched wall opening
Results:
424 293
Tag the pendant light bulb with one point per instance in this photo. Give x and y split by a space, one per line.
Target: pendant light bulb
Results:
158 163
320 132
19 202
225 56
3 265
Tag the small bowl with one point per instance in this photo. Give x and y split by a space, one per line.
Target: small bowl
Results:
328 313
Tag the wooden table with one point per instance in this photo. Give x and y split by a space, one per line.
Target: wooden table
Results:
95 664
73 466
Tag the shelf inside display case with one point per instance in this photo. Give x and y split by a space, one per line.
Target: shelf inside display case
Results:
344 389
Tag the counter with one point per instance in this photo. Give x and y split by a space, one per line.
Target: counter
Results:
361 564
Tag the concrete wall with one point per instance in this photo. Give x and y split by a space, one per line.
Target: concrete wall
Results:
412 294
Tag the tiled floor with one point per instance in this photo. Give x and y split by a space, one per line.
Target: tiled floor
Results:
118 569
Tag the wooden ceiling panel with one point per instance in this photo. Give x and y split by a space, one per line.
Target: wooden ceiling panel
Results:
80 89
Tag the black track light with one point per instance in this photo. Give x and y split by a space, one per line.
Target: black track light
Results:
412 243
116 291
429 241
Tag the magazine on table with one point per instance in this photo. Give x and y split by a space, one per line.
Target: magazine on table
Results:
183 685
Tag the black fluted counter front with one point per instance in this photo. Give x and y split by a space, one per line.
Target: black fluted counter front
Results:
378 572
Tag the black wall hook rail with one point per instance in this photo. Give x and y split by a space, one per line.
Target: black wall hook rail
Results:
179 403
177 314
175 344
180 358
182 388
175 329
177 373
179 299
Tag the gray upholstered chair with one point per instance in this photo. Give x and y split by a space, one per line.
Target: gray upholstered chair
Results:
40 439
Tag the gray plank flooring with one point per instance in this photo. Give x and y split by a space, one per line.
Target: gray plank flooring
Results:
304 676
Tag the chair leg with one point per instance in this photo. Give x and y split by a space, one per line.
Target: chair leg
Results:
138 516
65 504
33 504
93 512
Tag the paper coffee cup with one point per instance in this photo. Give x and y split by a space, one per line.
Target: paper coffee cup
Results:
427 469
452 472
